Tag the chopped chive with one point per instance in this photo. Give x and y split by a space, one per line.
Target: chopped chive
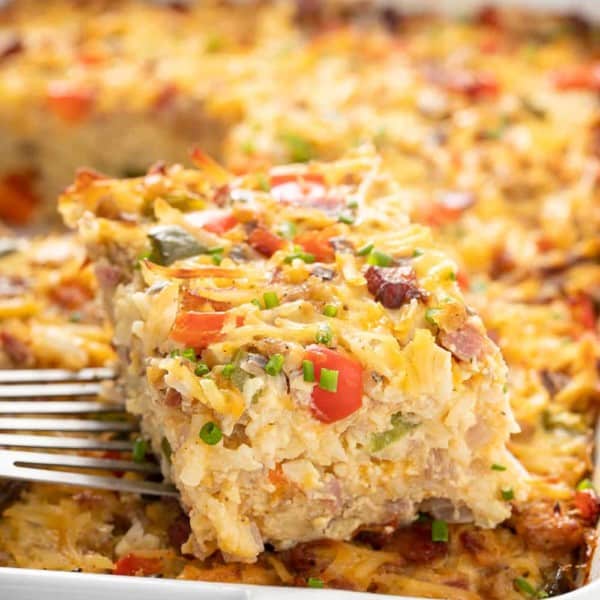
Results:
324 334
271 299
431 314
439 531
346 218
585 484
507 494
256 302
379 259
497 467
228 370
202 369
314 582
524 586
307 257
139 450
189 353
274 364
417 253
308 370
329 380
330 310
366 249
287 230
210 433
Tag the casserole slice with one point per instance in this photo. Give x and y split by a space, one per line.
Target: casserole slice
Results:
300 353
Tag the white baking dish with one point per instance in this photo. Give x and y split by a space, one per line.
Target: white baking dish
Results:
31 584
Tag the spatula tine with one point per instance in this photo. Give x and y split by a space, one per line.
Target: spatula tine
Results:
53 375
62 443
26 424
24 407
49 390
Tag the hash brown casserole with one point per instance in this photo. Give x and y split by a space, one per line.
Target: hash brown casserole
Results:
490 127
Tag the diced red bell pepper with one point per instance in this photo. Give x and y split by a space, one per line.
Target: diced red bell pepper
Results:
198 329
578 77
333 406
131 564
316 243
265 242
70 102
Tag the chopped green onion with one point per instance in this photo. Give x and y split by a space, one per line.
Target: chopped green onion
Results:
308 370
271 299
299 148
505 388
346 218
307 257
75 317
210 433
139 450
274 364
585 484
228 370
400 427
431 314
417 253
379 259
329 380
366 249
166 448
524 586
352 204
452 276
497 467
330 310
175 353
217 259
324 334
189 353
508 494
202 369
314 582
287 230
439 531
256 302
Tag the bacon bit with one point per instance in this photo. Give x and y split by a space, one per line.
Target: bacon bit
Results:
18 352
414 544
71 295
70 102
578 77
131 564
476 86
588 505
84 178
276 476
472 542
11 46
306 558
317 243
393 286
114 455
502 263
221 195
17 197
490 16
465 343
196 272
172 398
583 311
543 526
179 531
211 167
265 242
544 244
165 97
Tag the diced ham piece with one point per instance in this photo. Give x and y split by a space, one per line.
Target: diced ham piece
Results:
465 343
